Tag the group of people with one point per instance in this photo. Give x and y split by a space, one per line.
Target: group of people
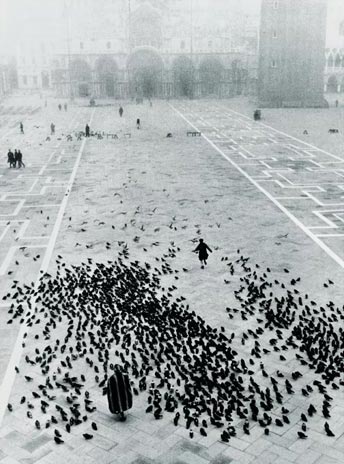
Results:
15 159
65 107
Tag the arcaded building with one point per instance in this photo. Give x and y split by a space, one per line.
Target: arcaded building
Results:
292 49
156 48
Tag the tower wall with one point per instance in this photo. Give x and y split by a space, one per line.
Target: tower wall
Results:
291 53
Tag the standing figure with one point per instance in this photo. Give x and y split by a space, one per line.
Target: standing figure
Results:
21 125
337 103
202 250
60 107
138 123
65 106
87 130
52 128
120 397
19 159
121 111
10 159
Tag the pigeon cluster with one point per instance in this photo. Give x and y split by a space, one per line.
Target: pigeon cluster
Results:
118 313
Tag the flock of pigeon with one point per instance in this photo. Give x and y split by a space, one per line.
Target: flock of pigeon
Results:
90 317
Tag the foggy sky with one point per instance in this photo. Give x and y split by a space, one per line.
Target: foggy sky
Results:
12 12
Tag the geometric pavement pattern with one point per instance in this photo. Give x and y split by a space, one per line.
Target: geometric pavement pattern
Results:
305 182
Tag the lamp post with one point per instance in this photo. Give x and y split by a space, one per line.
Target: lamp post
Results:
68 51
191 47
129 44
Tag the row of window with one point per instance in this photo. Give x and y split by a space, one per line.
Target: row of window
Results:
336 63
182 44
33 60
34 79
108 45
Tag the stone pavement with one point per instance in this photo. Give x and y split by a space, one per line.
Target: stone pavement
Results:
147 192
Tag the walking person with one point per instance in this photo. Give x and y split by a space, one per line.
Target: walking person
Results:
65 106
10 159
87 130
60 107
202 250
138 123
52 128
121 111
19 159
21 125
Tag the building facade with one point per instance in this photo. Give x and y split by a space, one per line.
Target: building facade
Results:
126 48
291 58
8 79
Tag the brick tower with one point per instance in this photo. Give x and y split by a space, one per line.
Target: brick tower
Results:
291 53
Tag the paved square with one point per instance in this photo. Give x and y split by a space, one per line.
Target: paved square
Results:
242 186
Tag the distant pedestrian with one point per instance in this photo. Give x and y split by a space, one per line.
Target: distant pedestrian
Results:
60 107
337 103
202 250
10 159
52 128
121 111
87 130
65 107
21 125
138 123
19 159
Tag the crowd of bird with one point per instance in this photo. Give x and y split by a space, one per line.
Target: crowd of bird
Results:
90 317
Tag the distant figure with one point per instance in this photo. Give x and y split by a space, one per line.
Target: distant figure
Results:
305 132
60 107
19 159
65 106
150 103
202 250
337 103
52 128
21 125
10 159
138 123
257 115
121 111
87 130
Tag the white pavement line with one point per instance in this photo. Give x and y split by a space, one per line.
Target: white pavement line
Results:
9 377
6 262
285 134
17 209
296 221
329 235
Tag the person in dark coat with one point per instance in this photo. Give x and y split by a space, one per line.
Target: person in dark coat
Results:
52 128
87 130
202 250
21 125
10 159
121 111
138 123
19 159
